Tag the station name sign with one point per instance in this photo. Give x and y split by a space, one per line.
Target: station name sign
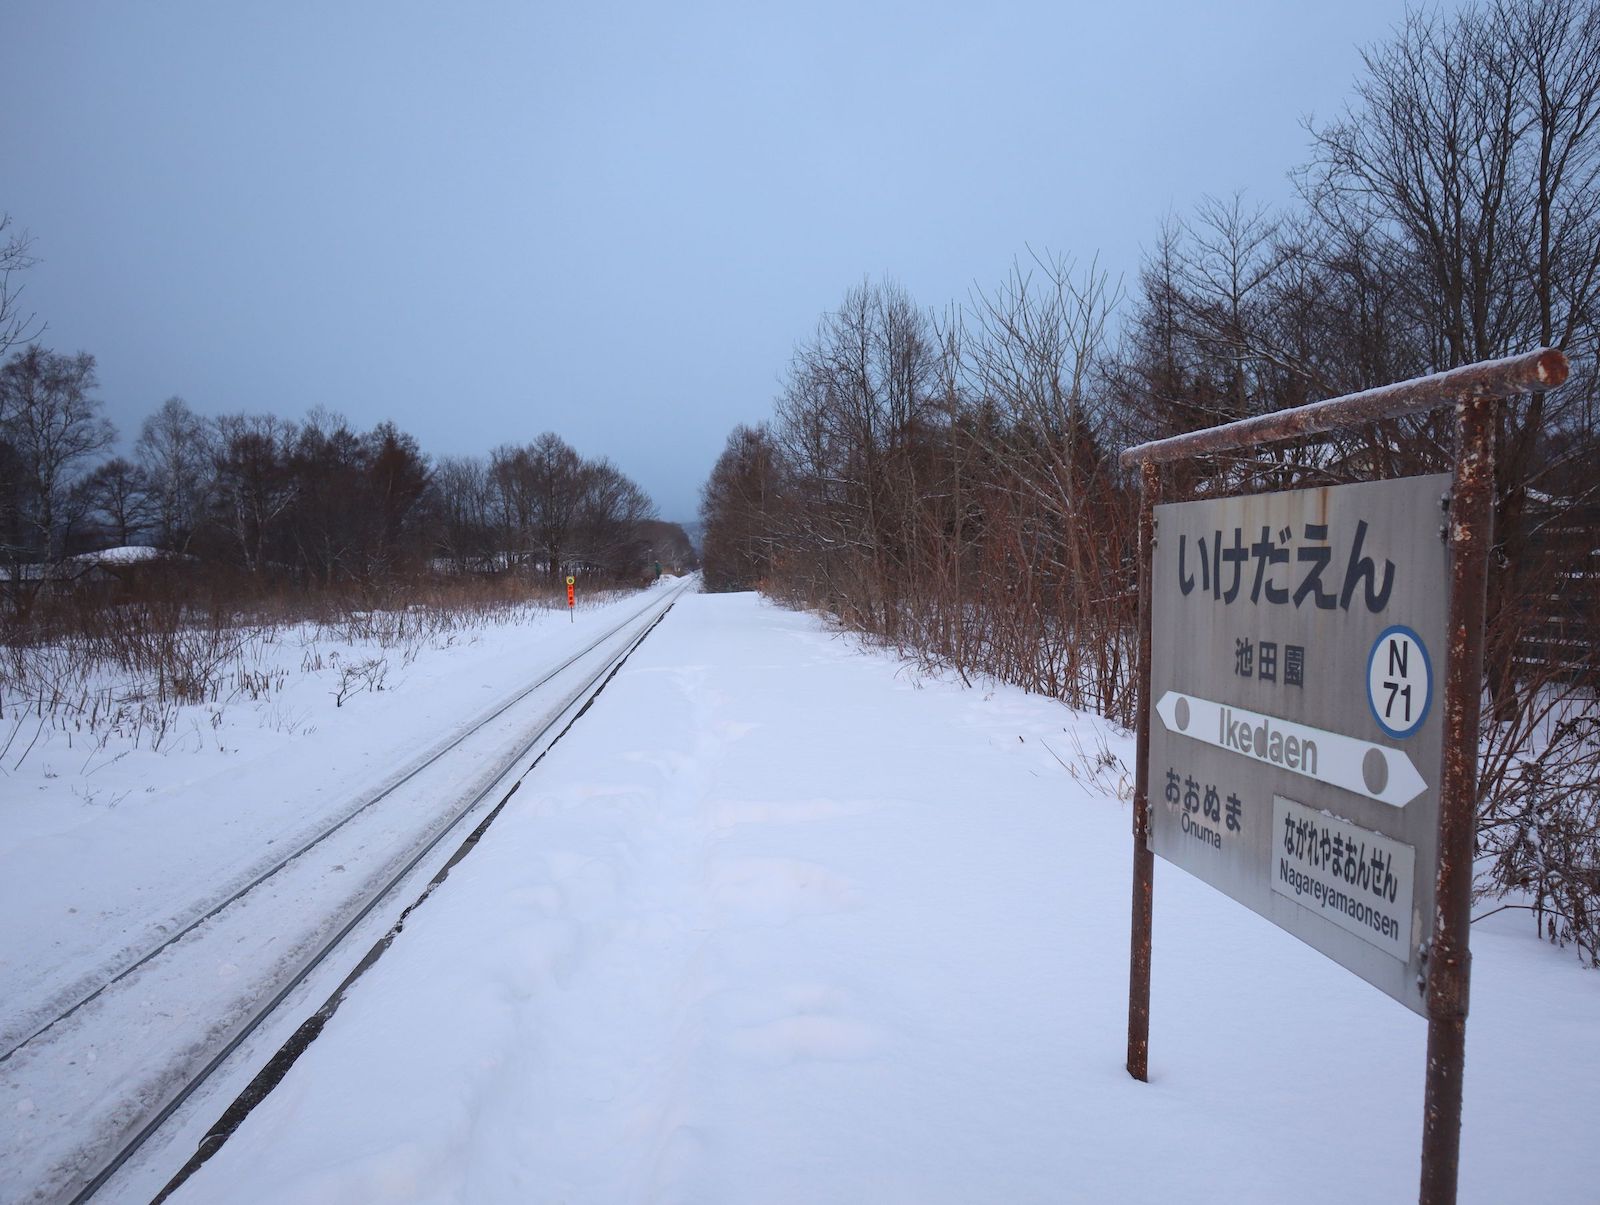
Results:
1295 743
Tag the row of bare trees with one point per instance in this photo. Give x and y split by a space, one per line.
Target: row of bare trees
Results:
947 480
943 481
315 503
543 505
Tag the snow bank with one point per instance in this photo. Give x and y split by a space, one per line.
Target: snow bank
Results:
783 921
129 554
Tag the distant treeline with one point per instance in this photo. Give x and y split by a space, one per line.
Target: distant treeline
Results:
947 480
315 503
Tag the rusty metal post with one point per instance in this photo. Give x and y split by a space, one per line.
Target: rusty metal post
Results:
1449 962
1542 369
1143 860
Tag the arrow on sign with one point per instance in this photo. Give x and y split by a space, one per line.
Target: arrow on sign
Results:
1372 771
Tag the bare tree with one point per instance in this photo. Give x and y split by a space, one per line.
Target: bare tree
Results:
1041 336
118 493
1425 158
16 324
608 530
511 478
176 450
254 483
326 516
554 507
463 506
557 484
668 545
394 480
1471 155
1051 560
53 424
739 506
857 394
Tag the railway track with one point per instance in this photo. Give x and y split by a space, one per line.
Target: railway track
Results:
175 929
59 1045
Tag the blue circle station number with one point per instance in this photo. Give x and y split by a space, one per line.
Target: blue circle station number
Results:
1399 681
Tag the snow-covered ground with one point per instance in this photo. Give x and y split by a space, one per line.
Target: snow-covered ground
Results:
105 840
786 921
108 850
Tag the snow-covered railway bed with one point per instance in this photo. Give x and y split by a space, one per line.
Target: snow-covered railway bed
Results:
793 922
95 1066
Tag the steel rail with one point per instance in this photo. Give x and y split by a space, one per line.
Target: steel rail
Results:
579 699
279 1065
428 760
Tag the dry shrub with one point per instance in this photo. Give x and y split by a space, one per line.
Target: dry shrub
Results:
1539 828
103 665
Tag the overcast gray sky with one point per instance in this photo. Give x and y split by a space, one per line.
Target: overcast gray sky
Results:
613 221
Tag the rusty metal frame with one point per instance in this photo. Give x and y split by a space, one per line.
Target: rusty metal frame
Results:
1495 379
1473 391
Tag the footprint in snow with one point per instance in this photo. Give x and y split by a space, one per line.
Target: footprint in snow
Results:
807 1037
735 812
776 890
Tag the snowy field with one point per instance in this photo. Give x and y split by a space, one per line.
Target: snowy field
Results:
106 840
109 847
786 921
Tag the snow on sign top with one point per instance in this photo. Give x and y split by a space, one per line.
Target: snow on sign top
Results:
1293 640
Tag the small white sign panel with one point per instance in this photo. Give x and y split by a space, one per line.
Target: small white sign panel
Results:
1399 681
1387 775
1356 878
